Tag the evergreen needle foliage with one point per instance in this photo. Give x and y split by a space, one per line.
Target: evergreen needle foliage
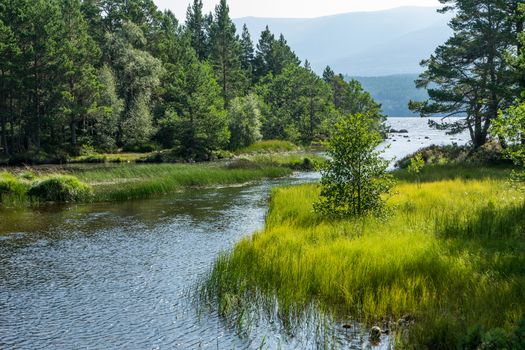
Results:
355 179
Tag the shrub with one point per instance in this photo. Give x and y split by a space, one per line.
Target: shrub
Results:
489 154
11 186
60 188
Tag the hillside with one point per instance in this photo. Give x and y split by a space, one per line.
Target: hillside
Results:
362 43
393 92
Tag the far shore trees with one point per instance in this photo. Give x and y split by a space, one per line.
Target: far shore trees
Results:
355 178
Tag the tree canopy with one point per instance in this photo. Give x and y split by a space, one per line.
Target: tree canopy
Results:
123 75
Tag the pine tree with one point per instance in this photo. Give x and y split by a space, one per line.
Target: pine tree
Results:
469 75
199 119
273 55
248 51
196 27
225 54
78 53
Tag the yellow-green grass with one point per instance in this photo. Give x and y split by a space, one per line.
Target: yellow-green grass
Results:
269 146
450 254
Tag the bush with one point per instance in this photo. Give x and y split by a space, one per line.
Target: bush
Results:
60 188
168 156
489 154
11 186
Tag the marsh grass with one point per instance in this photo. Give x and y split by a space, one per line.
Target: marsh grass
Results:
127 181
301 161
269 146
136 181
450 255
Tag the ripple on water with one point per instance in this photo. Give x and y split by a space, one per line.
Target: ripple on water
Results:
117 275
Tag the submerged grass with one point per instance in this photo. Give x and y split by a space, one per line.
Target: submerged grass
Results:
451 255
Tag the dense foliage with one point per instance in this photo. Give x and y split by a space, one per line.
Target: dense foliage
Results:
122 75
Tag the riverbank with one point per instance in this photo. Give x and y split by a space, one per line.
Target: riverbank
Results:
433 272
121 182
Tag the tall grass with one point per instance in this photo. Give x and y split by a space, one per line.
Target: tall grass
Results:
269 146
144 181
451 255
126 182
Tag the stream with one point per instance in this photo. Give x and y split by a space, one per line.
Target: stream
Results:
121 275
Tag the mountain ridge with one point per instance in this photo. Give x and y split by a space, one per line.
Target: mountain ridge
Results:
351 42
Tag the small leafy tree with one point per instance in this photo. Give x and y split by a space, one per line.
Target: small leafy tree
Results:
416 165
244 121
355 179
510 126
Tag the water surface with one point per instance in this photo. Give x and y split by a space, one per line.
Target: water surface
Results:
120 275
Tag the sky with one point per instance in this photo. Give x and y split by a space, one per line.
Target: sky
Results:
293 8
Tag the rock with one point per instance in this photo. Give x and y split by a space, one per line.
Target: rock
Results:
375 334
403 131
427 138
393 131
347 326
406 136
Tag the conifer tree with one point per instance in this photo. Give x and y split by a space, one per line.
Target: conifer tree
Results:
225 55
196 27
469 76
248 51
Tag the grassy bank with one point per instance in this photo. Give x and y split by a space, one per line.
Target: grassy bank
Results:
144 181
451 256
125 182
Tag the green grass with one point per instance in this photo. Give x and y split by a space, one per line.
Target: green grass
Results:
450 255
109 158
128 182
269 146
125 181
296 160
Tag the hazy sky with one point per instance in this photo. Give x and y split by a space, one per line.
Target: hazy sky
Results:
293 8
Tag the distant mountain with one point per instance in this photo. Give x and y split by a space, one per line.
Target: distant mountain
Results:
362 43
394 92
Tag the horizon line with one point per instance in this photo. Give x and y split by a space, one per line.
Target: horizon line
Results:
340 13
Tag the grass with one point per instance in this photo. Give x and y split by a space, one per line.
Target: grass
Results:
450 255
144 181
269 146
124 182
109 158
297 160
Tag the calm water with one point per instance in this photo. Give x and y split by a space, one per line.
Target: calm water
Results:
120 275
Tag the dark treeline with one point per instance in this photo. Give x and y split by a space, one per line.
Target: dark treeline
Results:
116 75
